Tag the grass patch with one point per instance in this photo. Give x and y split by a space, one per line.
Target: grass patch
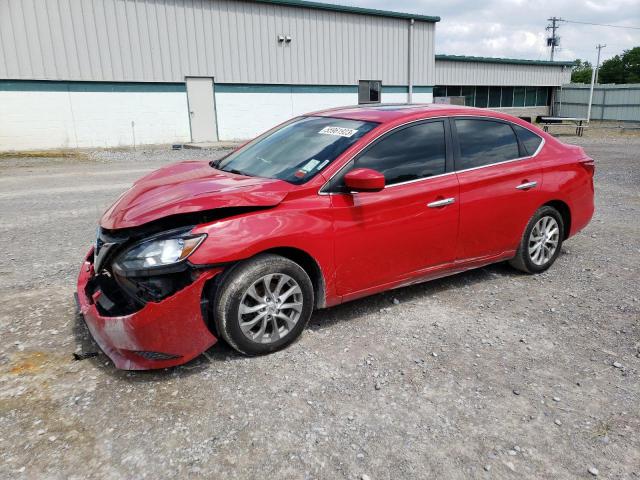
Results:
75 154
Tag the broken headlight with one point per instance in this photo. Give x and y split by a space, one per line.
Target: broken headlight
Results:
159 252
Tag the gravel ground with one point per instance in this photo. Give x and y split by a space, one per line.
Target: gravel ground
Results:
486 374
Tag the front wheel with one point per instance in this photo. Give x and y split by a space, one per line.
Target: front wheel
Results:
541 242
263 304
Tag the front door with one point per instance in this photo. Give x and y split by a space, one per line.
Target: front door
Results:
396 234
202 113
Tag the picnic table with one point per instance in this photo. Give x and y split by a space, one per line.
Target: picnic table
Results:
577 123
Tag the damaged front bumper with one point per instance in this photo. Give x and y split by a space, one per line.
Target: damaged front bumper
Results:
162 334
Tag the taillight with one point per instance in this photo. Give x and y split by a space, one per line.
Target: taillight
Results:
589 165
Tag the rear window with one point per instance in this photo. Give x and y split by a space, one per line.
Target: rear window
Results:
529 140
483 142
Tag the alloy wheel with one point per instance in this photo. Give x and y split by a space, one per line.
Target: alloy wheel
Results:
270 308
543 240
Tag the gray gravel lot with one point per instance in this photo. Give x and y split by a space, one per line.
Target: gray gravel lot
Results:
486 374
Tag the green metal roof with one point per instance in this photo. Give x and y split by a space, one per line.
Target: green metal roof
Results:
513 61
346 9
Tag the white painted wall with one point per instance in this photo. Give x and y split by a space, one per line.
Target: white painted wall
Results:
244 115
401 97
31 120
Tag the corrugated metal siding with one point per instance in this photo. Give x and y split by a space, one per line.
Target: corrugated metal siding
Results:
482 73
233 41
610 102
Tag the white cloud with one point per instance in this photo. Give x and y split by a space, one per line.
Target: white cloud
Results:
516 28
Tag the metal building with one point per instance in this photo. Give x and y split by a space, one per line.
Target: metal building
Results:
519 87
86 73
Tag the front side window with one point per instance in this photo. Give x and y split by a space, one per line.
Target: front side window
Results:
298 150
483 142
410 153
369 91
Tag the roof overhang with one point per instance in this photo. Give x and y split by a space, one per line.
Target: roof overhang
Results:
346 9
511 61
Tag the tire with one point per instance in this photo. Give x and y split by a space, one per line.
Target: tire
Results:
263 326
530 261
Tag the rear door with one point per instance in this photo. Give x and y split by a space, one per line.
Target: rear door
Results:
387 236
499 182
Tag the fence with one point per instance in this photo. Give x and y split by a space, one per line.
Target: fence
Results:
610 102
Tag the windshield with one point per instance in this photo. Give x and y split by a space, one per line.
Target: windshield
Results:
297 151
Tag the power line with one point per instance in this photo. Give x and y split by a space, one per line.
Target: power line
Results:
598 24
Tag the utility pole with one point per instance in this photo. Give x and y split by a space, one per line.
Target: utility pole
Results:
553 41
599 47
594 74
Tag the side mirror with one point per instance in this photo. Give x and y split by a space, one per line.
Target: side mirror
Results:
364 180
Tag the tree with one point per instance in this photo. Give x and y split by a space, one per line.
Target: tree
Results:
581 72
623 68
612 71
631 60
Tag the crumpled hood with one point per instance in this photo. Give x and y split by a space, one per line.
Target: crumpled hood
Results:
189 187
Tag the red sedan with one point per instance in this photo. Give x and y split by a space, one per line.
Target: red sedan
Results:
323 209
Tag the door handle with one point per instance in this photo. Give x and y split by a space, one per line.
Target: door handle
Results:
441 203
526 186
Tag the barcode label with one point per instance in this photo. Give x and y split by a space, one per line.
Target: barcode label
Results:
339 131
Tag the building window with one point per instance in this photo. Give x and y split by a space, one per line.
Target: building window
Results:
543 97
494 97
482 97
369 91
507 97
469 96
439 91
497 97
454 91
530 98
518 96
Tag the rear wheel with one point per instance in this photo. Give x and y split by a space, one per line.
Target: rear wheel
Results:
263 304
541 241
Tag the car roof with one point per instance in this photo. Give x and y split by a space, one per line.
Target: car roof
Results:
385 113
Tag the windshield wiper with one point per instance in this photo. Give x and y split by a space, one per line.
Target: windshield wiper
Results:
216 164
236 171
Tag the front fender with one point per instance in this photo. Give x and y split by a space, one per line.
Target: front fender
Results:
307 227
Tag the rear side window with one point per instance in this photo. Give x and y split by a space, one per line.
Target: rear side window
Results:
483 142
529 140
409 154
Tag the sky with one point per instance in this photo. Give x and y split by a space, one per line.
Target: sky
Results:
516 28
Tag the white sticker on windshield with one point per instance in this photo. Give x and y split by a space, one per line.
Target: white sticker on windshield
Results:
339 131
310 165
322 165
